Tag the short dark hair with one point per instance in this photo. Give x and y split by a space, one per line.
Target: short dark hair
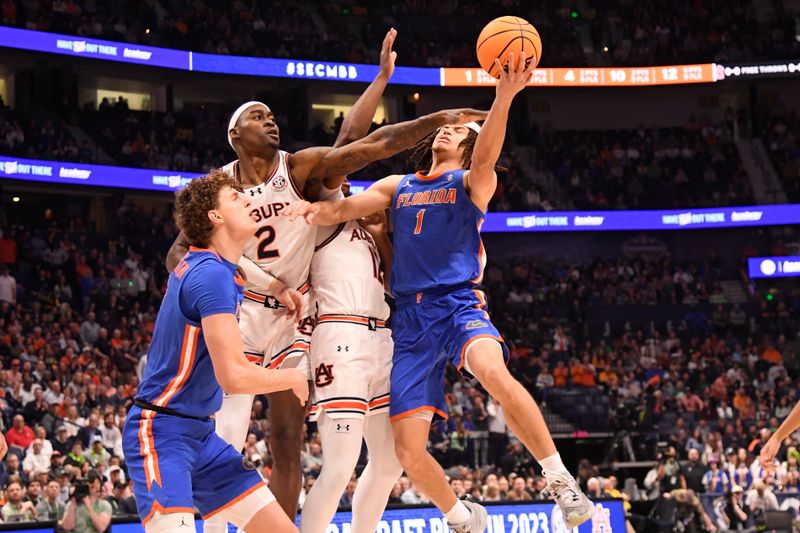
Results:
193 203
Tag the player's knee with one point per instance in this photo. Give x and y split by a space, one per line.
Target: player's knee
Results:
407 454
285 443
386 467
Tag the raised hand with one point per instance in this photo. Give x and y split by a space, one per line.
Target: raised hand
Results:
301 208
768 453
388 56
514 77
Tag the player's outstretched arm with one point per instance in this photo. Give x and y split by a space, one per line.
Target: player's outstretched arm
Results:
773 445
359 119
481 178
329 213
319 162
234 373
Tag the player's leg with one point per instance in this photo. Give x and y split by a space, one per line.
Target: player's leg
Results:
341 444
417 375
286 420
484 359
160 451
270 519
410 442
378 478
229 488
171 522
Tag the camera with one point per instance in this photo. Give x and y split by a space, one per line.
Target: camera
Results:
81 490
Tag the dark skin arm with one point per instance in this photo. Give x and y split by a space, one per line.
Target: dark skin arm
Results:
377 228
320 162
358 121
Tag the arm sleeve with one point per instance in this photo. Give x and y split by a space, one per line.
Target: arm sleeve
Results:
209 289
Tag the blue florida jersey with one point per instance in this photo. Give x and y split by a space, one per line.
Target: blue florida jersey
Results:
179 374
437 240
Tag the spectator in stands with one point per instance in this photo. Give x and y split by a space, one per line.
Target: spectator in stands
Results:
90 515
761 499
20 436
694 471
594 488
36 459
715 480
518 491
312 459
49 507
8 286
120 503
34 492
17 510
669 472
96 454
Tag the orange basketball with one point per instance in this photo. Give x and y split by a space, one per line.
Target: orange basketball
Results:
503 36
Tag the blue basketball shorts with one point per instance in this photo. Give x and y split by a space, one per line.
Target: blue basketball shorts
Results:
177 464
430 330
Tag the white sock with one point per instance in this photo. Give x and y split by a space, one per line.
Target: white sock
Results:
553 464
459 514
340 449
378 478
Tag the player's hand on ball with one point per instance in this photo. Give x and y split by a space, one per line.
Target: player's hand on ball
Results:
463 115
768 453
301 208
388 56
515 77
300 385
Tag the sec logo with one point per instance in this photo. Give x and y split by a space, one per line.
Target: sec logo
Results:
279 184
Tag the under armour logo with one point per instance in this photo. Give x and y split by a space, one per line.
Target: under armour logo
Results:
183 522
342 427
340 348
255 191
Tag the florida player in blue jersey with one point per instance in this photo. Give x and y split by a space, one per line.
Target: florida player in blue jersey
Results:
441 316
175 459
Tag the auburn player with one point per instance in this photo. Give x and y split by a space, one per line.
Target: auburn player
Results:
175 459
351 355
276 323
438 263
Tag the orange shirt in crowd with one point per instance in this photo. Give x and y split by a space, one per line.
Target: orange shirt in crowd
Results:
772 355
560 376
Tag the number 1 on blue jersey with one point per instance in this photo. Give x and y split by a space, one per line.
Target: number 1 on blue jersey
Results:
420 216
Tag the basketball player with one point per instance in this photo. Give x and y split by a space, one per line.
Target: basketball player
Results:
277 262
351 355
175 459
439 260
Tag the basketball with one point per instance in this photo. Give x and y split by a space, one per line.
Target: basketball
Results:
506 35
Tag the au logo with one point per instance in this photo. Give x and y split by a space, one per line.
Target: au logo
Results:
323 375
279 184
476 324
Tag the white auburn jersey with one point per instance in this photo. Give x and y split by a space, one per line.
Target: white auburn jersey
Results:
346 273
281 247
